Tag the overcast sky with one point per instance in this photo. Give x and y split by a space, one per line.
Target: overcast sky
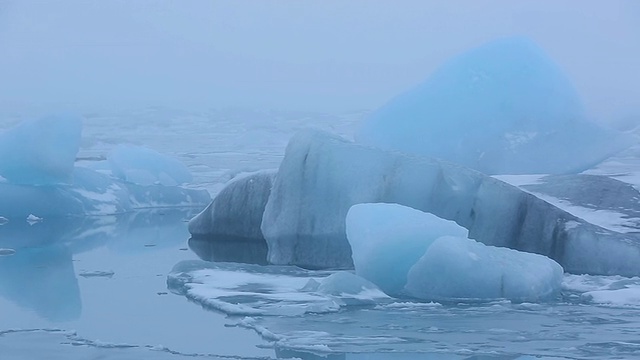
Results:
321 55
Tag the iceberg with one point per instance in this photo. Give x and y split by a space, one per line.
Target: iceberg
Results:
237 210
502 108
37 162
322 176
388 239
41 151
408 252
143 166
455 268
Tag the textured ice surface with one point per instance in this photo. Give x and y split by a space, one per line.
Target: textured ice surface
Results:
503 108
388 239
615 291
41 151
237 210
600 200
459 268
91 193
464 329
322 176
144 166
240 289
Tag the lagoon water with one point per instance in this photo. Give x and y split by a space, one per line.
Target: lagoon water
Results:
134 286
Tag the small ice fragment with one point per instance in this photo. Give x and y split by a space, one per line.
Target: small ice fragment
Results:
7 252
97 273
32 219
3 220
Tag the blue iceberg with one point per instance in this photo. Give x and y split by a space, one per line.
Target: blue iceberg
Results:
503 108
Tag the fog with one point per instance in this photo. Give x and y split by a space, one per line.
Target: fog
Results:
322 55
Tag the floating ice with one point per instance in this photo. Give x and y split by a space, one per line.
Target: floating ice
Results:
322 176
503 108
37 161
388 239
241 289
92 193
237 210
143 166
614 291
41 151
458 268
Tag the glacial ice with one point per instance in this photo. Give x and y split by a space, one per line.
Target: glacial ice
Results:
40 151
459 268
405 251
144 166
502 108
322 176
237 210
388 239
37 160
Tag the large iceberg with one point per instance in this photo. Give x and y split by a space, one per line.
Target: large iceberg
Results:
502 108
40 151
388 239
322 176
405 251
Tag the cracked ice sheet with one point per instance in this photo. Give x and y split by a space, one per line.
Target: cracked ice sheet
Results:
608 219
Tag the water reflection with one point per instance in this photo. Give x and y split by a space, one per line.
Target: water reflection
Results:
38 272
230 249
42 279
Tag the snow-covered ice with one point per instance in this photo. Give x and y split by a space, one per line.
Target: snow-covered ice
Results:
388 239
502 108
269 291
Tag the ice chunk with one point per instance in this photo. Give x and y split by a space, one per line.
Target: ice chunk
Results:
322 176
40 151
345 284
503 108
459 268
237 210
143 166
388 239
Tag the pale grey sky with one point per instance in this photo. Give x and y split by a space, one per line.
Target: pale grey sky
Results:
324 55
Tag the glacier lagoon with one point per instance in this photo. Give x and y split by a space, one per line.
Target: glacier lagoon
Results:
134 286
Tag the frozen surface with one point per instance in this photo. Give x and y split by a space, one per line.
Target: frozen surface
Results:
41 151
388 239
144 166
322 176
459 268
502 108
